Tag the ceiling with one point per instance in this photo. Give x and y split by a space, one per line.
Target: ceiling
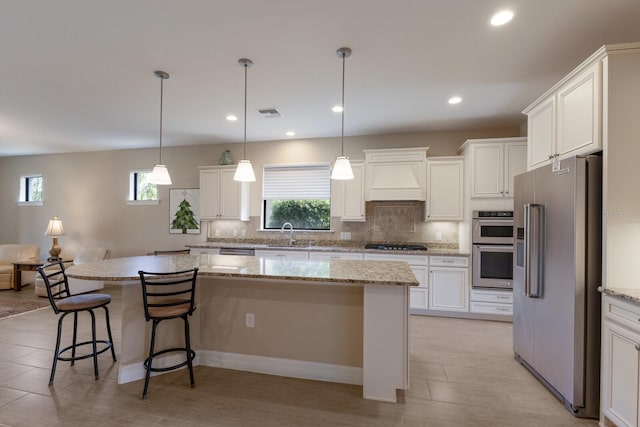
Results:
78 75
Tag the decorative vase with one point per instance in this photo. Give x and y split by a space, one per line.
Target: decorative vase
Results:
225 158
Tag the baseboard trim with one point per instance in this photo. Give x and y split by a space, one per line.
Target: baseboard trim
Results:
251 363
283 367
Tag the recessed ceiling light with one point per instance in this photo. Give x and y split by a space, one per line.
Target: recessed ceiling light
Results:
337 109
455 100
290 133
232 118
501 18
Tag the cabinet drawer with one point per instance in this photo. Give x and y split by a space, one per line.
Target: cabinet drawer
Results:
410 259
622 312
449 261
502 297
336 255
492 308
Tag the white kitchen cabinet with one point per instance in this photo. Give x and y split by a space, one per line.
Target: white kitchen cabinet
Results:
620 386
491 302
358 256
567 120
353 194
419 264
448 283
220 195
493 163
204 251
445 189
282 254
396 174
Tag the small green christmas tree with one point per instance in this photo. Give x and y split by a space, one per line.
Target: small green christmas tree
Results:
184 219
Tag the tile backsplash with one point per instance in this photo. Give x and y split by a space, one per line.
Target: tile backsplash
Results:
397 221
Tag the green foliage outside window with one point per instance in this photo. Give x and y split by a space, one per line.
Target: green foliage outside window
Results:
35 189
302 214
146 190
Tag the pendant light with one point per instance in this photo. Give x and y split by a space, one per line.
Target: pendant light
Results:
160 173
342 168
244 171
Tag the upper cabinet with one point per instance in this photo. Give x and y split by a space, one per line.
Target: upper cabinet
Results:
566 120
493 163
396 174
353 194
445 189
220 195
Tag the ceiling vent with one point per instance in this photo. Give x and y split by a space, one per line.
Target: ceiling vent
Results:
269 113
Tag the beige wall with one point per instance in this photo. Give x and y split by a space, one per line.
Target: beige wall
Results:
88 191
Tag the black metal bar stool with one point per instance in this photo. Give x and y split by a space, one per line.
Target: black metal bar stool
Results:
168 296
62 301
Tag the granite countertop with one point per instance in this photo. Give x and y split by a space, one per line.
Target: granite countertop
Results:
327 271
628 294
353 247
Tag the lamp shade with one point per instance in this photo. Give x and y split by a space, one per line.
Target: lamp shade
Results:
342 169
244 172
55 227
160 175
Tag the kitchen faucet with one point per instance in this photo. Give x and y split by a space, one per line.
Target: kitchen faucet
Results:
291 241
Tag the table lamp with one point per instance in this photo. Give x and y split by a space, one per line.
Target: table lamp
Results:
54 229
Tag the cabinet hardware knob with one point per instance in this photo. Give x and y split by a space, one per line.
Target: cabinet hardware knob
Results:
638 347
550 156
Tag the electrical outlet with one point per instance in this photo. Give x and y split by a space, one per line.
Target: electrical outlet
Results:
250 320
345 235
438 236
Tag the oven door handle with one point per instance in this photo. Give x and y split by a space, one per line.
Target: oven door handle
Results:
533 247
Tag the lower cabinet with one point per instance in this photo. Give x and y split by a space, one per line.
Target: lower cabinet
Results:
448 286
419 295
278 254
492 302
620 386
204 251
358 256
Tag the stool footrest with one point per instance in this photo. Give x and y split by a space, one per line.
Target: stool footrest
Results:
107 343
168 368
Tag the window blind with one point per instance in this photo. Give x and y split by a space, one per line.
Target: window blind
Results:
296 182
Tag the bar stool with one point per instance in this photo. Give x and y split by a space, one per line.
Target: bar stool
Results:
168 296
61 300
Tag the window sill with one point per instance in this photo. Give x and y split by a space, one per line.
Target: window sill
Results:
143 202
30 203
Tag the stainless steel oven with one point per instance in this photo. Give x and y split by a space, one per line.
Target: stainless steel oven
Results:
492 254
492 266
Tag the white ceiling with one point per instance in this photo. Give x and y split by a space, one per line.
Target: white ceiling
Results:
77 75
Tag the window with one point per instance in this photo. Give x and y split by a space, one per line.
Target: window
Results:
140 189
299 194
31 189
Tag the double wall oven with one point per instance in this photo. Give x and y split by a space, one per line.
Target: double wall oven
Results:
492 253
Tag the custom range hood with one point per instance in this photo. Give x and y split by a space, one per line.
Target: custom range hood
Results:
396 174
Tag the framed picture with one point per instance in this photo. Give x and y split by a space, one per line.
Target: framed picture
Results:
184 211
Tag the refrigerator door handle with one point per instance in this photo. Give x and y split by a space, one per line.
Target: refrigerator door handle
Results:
533 259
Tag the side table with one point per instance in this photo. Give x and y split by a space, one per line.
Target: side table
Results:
27 265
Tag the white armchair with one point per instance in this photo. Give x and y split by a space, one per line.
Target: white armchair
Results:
77 286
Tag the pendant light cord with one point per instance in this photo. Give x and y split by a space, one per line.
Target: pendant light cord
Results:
244 139
342 132
161 101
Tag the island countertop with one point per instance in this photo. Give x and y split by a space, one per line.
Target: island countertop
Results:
329 271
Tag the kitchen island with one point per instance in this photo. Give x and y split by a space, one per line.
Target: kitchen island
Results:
331 320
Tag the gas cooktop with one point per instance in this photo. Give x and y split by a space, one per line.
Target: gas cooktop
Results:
394 247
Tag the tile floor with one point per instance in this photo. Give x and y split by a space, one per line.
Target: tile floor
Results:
462 374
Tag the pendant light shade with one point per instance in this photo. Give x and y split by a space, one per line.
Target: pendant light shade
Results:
160 173
342 167
244 171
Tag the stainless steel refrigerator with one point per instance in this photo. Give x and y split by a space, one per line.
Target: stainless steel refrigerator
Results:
557 269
